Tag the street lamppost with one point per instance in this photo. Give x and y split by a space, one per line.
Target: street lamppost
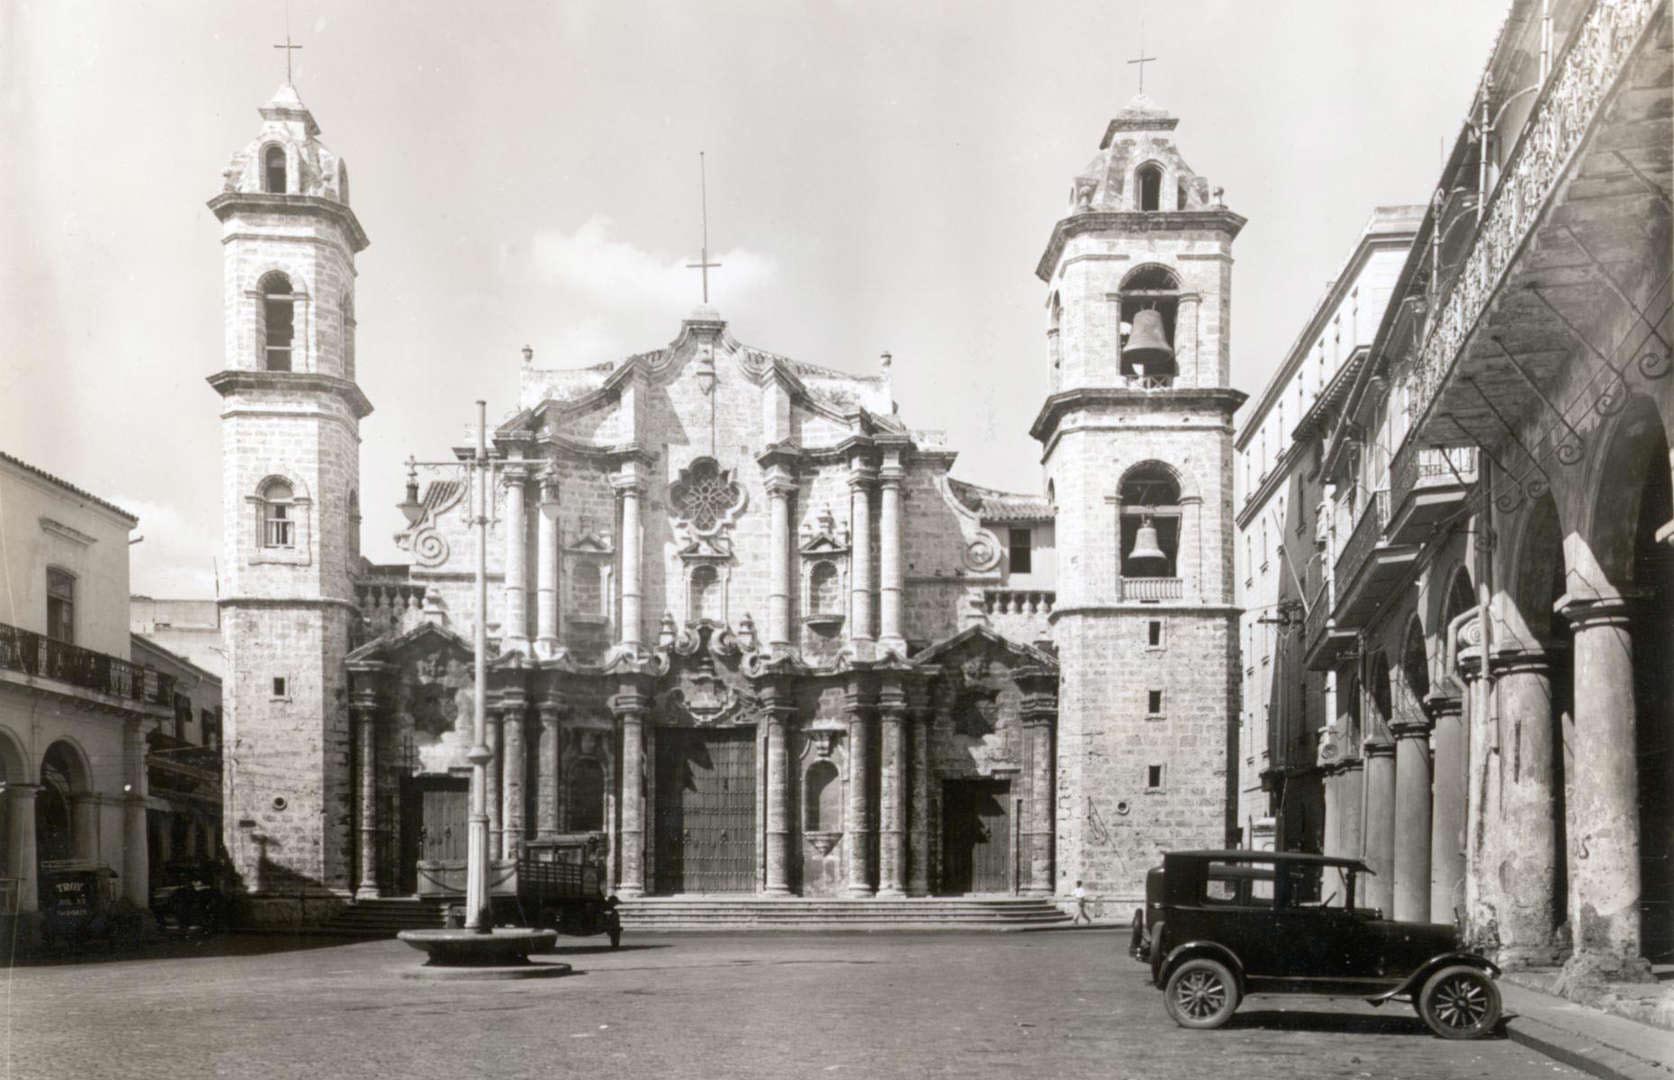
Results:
480 476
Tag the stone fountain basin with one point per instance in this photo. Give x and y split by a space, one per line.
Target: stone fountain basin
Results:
468 948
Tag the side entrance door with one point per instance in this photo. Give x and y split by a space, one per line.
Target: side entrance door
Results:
976 836
435 812
705 831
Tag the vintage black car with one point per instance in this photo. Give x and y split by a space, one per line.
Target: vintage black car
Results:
189 894
1219 925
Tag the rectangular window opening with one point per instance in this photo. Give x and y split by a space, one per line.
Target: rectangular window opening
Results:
279 686
1153 776
1022 551
1154 702
1154 633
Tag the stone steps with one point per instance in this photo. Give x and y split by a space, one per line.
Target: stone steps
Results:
725 912
386 917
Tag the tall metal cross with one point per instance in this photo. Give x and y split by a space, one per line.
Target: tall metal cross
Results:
1142 59
289 48
703 265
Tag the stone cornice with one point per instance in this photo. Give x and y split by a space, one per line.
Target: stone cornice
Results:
235 381
1134 221
1220 398
231 201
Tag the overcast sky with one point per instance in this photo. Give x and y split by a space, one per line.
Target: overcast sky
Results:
881 176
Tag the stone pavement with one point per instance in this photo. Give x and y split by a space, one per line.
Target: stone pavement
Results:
1049 1005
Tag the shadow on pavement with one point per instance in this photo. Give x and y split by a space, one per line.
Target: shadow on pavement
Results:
1403 1022
585 950
177 946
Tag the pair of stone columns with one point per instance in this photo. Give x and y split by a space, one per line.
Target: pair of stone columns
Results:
546 565
888 833
891 566
510 740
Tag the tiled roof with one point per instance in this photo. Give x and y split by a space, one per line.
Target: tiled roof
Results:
66 485
992 505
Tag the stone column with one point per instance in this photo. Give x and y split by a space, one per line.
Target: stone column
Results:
628 487
1039 716
781 485
20 845
365 712
1447 817
84 817
1482 886
1195 369
780 708
136 862
1351 780
1527 813
491 780
1412 819
890 562
861 477
858 828
515 625
1605 885
892 794
550 710
918 839
1378 828
546 572
515 771
629 706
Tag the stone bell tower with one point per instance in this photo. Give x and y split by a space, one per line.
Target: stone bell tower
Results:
290 516
1137 437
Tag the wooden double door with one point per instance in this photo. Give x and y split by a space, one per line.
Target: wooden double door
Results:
976 836
435 820
705 816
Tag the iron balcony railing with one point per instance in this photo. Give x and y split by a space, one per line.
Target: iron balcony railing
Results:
1417 467
1367 535
36 654
1563 114
1143 589
1318 620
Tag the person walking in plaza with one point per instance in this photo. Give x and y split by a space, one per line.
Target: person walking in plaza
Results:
1081 906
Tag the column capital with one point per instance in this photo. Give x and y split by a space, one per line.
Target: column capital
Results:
1375 747
510 699
1520 662
1411 729
631 703
891 475
625 484
552 703
20 790
862 475
1586 612
1441 705
515 471
780 482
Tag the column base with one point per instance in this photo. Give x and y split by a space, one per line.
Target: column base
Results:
629 892
777 890
895 645
369 892
1593 968
860 892
891 894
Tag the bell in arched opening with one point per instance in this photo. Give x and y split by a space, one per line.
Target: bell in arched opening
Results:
1147 349
1147 557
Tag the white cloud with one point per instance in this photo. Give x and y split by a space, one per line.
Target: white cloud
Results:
614 274
176 557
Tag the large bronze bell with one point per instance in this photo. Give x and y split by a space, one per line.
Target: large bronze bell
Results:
1147 349
1147 556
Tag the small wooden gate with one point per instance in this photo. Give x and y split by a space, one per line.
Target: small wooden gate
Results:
976 836
435 814
705 831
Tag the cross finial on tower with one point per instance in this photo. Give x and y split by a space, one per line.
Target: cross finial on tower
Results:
703 265
289 48
1142 59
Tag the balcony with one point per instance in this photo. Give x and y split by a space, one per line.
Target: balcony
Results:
1152 590
1322 642
1018 601
1369 566
1585 175
1428 486
39 656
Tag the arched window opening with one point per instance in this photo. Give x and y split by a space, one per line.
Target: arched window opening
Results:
1054 325
346 323
823 589
273 170
822 804
63 778
1149 304
278 519
1415 675
343 183
705 599
1379 693
586 801
1149 179
278 322
1150 497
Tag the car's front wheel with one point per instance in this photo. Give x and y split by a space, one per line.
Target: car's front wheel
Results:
1460 1002
1201 993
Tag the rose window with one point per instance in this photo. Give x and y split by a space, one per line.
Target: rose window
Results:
706 496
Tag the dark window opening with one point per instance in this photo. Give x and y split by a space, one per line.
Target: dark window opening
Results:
1022 552
1150 522
1150 187
587 793
1153 702
1153 776
1153 634
278 321
61 606
279 686
273 170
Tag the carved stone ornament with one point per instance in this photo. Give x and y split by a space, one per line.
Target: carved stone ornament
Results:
705 497
982 552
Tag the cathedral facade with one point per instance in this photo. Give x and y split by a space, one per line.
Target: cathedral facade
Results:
747 634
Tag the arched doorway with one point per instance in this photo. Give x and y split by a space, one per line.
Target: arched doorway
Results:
64 829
